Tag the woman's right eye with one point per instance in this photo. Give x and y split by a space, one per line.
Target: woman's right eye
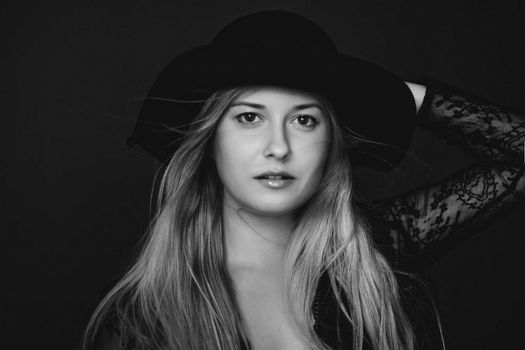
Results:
247 118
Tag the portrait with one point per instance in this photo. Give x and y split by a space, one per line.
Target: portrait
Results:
264 175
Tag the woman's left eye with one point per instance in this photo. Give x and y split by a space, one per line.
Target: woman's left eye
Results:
305 121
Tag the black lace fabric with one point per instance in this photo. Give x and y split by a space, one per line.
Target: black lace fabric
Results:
422 224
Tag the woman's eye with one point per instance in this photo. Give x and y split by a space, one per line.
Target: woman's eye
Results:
247 118
306 121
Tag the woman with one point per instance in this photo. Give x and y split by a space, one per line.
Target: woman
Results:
258 241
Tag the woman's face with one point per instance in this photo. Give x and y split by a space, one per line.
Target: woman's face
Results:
270 149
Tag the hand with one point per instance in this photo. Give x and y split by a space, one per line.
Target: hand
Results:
418 91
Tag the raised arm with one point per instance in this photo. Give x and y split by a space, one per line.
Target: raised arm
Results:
413 224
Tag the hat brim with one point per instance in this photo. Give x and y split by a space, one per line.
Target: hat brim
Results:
368 100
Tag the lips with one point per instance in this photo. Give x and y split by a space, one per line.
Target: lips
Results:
275 175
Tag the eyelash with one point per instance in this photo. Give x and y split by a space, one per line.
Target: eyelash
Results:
309 127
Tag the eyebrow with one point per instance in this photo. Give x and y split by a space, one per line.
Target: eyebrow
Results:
259 106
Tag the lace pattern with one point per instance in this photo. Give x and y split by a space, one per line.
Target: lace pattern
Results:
416 222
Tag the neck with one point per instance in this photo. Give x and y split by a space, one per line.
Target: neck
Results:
255 241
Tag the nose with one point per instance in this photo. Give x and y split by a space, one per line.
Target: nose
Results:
278 145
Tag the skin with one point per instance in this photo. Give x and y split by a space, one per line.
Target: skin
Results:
263 130
418 91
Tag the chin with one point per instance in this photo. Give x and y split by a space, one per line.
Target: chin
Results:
268 202
274 206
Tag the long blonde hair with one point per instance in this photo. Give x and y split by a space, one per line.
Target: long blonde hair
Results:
178 294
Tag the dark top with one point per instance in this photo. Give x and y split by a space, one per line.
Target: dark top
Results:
413 229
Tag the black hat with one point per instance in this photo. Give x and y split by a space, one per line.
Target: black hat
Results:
282 49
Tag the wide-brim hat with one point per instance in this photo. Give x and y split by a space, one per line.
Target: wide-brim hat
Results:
279 48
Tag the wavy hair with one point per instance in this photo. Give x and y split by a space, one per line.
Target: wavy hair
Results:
178 294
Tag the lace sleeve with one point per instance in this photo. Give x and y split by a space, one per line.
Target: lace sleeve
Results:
415 222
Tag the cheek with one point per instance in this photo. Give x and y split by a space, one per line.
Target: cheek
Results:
317 167
315 157
232 156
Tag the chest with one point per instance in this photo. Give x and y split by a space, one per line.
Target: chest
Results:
262 308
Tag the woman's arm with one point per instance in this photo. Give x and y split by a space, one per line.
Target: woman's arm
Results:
418 91
419 221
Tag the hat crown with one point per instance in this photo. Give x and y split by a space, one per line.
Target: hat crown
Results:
275 30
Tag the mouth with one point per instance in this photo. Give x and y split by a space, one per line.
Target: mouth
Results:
273 175
275 180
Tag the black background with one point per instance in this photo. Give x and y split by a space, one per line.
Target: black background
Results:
77 200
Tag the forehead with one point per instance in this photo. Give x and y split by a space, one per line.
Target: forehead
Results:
276 95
